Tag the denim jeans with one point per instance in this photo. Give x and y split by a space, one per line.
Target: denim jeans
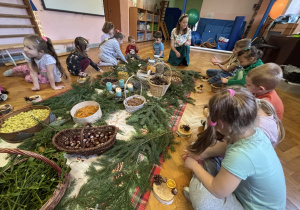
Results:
216 75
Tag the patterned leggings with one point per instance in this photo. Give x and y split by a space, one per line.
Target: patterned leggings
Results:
24 71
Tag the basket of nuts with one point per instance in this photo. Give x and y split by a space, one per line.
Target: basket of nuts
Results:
86 140
176 78
135 102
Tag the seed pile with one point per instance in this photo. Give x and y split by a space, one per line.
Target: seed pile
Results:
176 79
110 80
157 80
86 111
24 120
90 140
135 101
158 179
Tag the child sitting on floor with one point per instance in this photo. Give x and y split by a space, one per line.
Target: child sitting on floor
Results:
110 50
108 30
131 49
232 62
249 58
78 60
158 46
44 66
262 81
241 180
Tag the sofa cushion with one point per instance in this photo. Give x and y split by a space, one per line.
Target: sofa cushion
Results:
226 30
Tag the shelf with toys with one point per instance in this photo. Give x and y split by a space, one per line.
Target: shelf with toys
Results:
143 23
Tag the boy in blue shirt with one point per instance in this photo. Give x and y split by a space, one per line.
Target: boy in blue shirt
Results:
158 46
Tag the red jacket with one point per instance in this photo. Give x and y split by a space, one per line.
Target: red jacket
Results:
129 48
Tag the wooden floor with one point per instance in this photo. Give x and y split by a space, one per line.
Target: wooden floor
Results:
288 150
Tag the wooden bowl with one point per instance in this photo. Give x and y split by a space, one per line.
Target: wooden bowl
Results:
19 136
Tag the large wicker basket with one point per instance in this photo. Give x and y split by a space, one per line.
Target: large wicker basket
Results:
131 109
19 136
61 188
176 75
59 139
160 90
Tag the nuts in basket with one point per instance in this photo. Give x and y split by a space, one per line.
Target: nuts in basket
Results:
135 101
176 79
89 140
157 80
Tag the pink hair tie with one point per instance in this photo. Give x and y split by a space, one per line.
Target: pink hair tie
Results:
44 38
117 31
231 92
211 123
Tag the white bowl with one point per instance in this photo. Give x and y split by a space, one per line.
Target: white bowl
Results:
90 119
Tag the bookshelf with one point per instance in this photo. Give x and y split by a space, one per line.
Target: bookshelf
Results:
142 24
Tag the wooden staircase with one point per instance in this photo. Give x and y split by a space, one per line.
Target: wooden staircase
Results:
163 6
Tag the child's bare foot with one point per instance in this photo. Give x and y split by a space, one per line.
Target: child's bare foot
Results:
35 88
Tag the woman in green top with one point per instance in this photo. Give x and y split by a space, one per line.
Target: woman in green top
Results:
180 42
249 58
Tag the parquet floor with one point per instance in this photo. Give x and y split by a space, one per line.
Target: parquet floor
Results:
288 150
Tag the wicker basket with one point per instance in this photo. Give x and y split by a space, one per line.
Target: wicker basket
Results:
160 90
216 87
209 44
19 136
176 74
110 79
131 109
59 139
61 188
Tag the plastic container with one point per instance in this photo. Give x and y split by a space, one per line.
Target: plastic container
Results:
140 37
149 16
141 26
155 27
151 67
156 18
148 36
90 119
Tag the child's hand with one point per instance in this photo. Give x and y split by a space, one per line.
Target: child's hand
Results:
178 54
224 80
190 163
58 87
126 62
215 60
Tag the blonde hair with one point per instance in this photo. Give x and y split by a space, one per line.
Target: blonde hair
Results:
40 44
268 108
239 111
117 35
267 75
243 43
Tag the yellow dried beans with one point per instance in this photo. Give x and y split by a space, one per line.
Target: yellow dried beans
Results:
24 120
86 111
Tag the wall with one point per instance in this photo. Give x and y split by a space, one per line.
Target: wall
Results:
294 8
228 9
191 4
63 25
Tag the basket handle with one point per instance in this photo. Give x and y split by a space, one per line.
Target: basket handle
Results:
127 82
81 133
34 155
169 68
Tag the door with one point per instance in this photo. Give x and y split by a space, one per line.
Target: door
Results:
113 12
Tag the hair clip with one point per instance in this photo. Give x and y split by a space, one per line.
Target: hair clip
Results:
258 101
37 41
231 92
44 38
117 31
247 48
85 41
106 39
212 124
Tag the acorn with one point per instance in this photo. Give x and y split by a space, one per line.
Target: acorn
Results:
174 191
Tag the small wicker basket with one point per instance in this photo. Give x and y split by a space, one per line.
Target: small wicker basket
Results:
113 80
59 139
216 87
160 90
61 188
178 75
131 109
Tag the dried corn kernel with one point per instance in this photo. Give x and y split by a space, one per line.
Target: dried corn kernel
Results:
24 120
